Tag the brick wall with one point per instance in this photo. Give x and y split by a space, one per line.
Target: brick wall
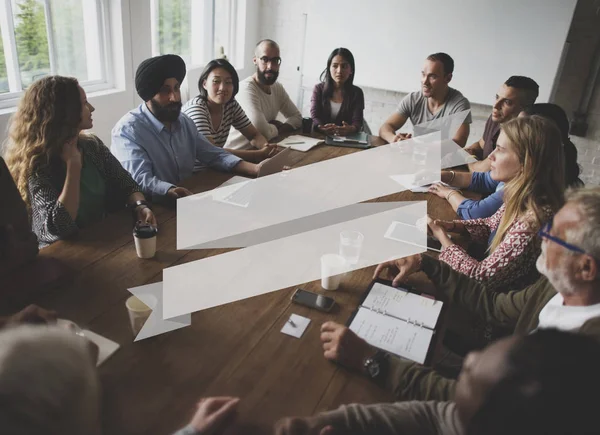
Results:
282 21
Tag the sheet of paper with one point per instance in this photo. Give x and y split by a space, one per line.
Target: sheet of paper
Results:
300 143
296 330
392 335
409 181
106 347
403 305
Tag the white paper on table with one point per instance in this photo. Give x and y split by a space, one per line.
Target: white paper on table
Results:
296 331
409 182
300 143
392 335
106 347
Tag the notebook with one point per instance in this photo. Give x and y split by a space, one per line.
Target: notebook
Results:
397 320
300 143
357 140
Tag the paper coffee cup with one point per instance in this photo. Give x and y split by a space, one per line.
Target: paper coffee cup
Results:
138 313
332 268
145 240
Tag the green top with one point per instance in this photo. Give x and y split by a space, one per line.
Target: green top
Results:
92 191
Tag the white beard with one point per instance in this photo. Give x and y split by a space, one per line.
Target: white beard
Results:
559 277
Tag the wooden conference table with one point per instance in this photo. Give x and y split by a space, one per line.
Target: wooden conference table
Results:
237 349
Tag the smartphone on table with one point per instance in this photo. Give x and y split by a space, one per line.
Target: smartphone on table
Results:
313 300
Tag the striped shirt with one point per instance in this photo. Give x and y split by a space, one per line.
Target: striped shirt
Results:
233 114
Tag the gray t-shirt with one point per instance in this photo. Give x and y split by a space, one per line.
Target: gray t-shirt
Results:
414 107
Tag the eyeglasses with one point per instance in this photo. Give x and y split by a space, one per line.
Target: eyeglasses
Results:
544 233
275 60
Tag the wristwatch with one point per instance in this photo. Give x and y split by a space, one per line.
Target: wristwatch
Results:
133 205
377 366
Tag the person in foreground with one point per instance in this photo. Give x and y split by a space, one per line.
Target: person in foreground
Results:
515 95
156 143
435 100
215 110
482 182
49 385
336 104
566 297
538 384
68 179
263 98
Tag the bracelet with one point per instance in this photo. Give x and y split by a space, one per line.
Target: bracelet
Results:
450 194
453 176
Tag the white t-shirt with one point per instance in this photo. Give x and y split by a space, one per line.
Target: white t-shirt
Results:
335 109
566 318
261 108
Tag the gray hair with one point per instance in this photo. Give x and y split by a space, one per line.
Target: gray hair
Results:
587 234
48 382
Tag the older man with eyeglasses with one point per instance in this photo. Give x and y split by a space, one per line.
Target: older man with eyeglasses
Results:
263 99
566 297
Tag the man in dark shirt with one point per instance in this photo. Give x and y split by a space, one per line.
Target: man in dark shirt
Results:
516 94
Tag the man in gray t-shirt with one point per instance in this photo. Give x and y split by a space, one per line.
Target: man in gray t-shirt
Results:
435 100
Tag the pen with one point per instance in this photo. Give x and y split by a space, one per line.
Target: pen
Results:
293 143
291 323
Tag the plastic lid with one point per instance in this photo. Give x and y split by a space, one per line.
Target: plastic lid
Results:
144 231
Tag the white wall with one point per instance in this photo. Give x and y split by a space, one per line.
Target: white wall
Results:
132 43
391 38
282 20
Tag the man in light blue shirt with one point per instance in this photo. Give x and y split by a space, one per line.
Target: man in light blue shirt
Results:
156 143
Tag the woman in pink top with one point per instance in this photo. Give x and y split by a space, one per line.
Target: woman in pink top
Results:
528 158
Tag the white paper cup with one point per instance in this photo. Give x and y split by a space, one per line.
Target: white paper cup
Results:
332 268
145 248
138 313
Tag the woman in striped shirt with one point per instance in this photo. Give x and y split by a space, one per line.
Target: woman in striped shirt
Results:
215 110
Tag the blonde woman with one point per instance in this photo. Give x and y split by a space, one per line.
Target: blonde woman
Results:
67 179
529 160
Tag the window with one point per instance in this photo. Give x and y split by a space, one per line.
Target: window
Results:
42 37
199 30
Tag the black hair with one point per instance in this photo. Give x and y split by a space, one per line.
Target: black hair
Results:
556 114
326 74
550 388
214 64
528 86
446 60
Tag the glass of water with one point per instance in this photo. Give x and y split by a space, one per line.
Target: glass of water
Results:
350 245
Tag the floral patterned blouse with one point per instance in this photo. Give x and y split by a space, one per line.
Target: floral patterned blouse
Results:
512 264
